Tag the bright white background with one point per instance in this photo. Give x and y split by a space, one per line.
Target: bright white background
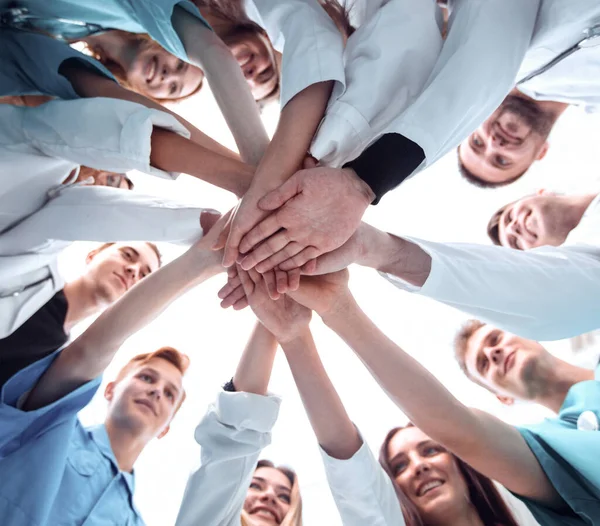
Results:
435 205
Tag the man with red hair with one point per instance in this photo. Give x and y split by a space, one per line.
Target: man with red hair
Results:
48 456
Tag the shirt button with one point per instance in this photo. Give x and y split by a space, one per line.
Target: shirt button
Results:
587 421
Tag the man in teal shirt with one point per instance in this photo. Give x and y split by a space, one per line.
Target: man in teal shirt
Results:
54 470
568 446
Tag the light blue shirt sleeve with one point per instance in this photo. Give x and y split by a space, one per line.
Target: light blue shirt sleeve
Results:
30 64
18 427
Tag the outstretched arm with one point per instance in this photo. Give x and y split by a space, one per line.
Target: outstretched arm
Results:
228 85
496 284
88 356
332 426
491 446
232 434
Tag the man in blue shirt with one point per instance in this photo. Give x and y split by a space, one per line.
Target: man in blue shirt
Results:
568 446
62 473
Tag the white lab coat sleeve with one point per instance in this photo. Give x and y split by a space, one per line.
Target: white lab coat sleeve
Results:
97 213
362 491
388 61
486 43
311 44
236 428
547 293
106 134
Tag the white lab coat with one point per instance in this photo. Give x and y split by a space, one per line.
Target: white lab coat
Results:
39 217
311 44
232 434
547 293
362 491
491 44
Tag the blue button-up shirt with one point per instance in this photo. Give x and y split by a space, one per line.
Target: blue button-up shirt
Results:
53 471
568 449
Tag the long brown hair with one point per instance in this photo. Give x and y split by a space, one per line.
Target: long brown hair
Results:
294 514
483 494
140 39
228 16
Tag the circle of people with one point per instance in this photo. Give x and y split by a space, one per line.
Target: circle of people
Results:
364 106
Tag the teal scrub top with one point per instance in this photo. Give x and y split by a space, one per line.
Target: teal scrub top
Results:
55 472
30 64
568 449
136 16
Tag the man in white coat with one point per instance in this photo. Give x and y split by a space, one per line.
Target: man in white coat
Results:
43 209
547 290
490 47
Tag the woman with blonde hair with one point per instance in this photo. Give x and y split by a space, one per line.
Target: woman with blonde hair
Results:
232 487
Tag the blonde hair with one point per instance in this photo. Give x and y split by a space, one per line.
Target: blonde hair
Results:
294 515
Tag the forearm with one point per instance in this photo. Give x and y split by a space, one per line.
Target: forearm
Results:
173 153
393 255
227 83
90 84
254 368
90 353
297 125
424 400
333 428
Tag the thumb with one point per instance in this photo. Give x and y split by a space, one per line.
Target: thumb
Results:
309 162
278 197
208 218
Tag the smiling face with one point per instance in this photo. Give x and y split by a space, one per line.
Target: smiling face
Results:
510 366
113 270
269 497
427 474
146 398
157 74
533 221
256 56
508 142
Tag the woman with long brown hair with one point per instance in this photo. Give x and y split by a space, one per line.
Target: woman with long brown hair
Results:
437 488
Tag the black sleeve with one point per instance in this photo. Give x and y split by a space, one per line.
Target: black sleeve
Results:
387 162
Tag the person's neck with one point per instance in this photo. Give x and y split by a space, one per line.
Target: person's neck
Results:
576 207
561 377
125 444
113 47
467 516
552 107
81 302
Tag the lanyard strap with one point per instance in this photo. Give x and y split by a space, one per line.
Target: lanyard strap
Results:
59 28
591 38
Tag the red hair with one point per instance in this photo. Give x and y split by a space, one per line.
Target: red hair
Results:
169 354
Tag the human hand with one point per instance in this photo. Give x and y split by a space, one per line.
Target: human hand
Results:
244 217
285 318
323 294
232 293
314 212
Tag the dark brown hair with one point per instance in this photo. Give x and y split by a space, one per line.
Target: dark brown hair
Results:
232 11
104 246
483 494
476 180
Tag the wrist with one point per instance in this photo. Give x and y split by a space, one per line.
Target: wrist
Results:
361 187
340 310
378 250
